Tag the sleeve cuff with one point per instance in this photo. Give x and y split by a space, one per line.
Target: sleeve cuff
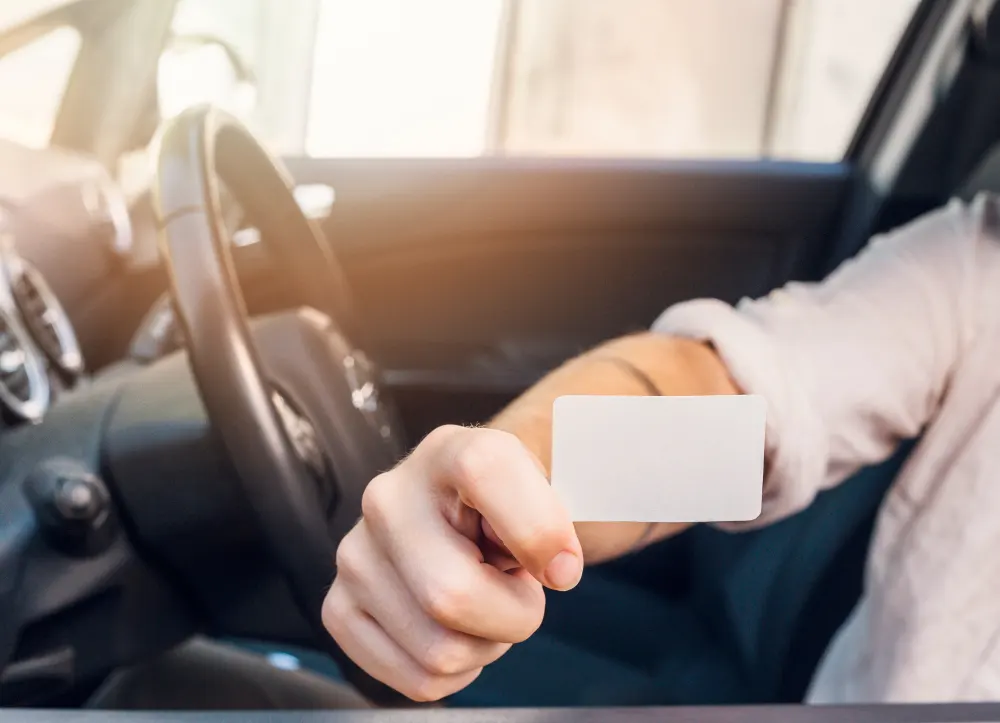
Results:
795 443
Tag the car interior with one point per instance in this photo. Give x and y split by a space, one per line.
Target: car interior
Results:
198 376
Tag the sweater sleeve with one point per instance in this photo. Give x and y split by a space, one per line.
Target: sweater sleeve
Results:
855 364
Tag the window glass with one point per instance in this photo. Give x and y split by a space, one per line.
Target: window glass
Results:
695 78
200 63
590 78
33 80
402 78
271 39
15 13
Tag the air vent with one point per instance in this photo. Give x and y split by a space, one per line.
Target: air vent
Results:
24 389
13 375
46 320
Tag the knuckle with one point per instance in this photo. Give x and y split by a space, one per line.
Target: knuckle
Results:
335 610
426 689
376 500
529 618
475 457
506 440
446 655
448 601
349 557
441 435
533 618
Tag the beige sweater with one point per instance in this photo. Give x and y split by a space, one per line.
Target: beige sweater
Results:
903 339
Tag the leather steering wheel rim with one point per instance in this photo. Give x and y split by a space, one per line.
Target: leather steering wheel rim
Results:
209 306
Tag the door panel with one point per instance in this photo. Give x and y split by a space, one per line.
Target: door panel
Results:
476 277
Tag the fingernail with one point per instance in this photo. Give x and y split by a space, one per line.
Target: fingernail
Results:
564 572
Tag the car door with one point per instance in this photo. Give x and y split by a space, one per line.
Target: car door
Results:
474 279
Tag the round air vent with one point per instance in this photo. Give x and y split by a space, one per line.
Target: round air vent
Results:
46 320
24 387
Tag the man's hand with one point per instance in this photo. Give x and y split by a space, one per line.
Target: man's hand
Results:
445 570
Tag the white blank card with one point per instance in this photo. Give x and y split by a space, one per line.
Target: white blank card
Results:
659 459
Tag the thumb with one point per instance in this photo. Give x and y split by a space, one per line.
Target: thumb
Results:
496 475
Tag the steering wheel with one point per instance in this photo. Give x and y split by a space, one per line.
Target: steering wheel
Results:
301 411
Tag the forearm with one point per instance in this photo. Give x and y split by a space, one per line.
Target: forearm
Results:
630 366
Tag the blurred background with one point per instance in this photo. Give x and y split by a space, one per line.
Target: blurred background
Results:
454 78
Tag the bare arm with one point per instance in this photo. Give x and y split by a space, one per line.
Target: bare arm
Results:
626 366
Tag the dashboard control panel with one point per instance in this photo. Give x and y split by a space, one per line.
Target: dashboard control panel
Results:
39 353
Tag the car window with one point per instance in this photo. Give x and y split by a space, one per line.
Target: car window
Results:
16 13
33 80
589 78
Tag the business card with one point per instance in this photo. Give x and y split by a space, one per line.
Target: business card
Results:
659 459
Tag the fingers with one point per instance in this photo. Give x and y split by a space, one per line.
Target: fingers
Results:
368 645
444 571
378 590
497 476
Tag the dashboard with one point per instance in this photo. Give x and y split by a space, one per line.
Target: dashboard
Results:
79 273
66 214
81 284
39 354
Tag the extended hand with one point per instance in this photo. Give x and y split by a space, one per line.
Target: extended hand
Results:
445 570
